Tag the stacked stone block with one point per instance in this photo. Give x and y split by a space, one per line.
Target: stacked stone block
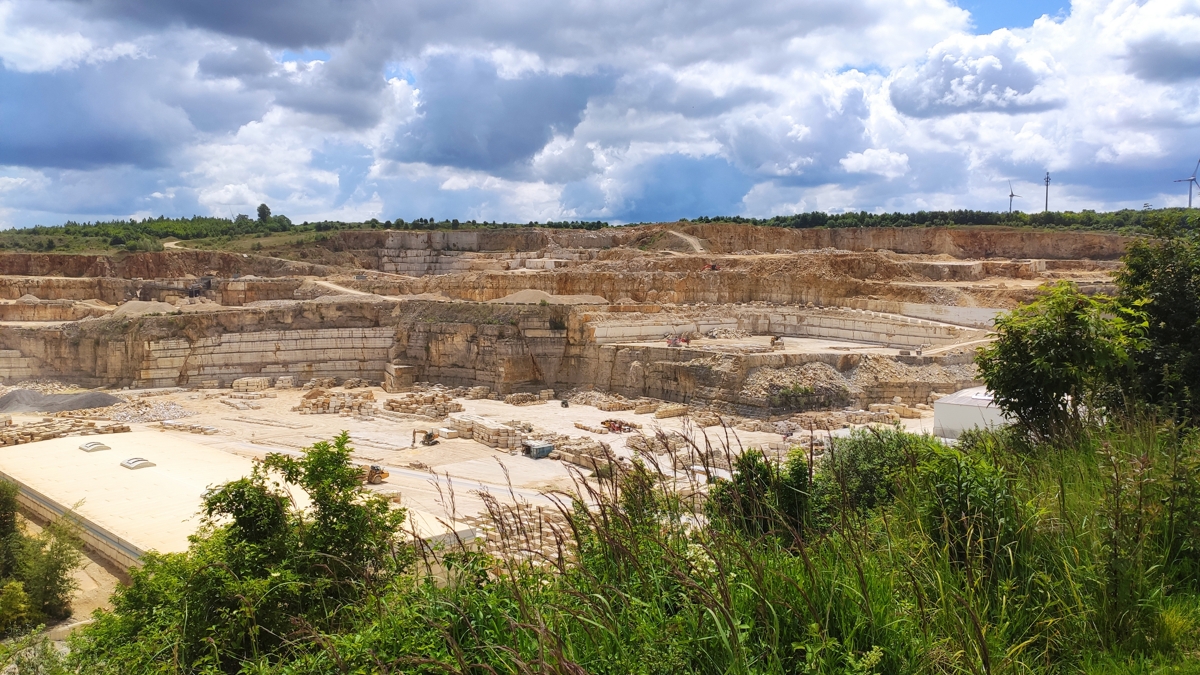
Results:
431 404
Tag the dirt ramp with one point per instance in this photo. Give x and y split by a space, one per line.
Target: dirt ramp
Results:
26 401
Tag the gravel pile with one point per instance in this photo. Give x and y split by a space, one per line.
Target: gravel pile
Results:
136 411
874 368
824 381
25 401
727 333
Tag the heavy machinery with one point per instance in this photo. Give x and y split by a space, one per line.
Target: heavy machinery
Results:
617 426
428 437
373 474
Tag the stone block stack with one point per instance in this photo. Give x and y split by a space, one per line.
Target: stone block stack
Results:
430 404
523 399
321 402
489 432
476 393
252 384
546 394
55 428
671 410
285 382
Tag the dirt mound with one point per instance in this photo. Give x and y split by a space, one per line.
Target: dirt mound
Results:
24 400
533 297
135 308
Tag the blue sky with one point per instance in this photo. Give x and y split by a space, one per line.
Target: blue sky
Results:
621 110
988 16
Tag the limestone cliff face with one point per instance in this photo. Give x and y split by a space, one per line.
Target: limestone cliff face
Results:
508 347
155 265
960 242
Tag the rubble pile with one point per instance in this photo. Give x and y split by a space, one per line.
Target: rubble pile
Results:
706 418
523 399
321 383
875 369
171 425
821 379
355 383
42 387
671 410
320 402
434 404
54 428
727 334
134 411
602 401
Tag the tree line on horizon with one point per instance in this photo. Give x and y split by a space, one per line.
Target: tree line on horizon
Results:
148 234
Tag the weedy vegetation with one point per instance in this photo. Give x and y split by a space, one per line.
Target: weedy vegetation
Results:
1068 542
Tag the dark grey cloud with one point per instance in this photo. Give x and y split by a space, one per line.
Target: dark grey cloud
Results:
661 92
87 118
247 60
986 78
1163 60
676 186
283 23
472 118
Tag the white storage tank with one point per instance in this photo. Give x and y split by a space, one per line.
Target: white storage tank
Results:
965 409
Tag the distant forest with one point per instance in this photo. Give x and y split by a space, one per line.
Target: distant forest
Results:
148 234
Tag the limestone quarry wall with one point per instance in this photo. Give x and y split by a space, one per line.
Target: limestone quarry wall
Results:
304 354
507 347
153 265
110 290
960 242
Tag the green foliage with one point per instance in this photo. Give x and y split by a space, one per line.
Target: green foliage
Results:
1060 358
260 573
1162 278
1126 220
44 565
968 506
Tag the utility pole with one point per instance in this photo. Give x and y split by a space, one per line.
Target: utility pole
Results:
1047 209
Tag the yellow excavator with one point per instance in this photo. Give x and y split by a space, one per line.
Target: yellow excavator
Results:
428 437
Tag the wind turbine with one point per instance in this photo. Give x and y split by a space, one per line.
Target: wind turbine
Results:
1011 194
1190 180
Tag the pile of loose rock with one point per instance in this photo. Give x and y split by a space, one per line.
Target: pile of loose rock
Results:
171 425
135 411
321 402
434 404
523 399
54 428
321 383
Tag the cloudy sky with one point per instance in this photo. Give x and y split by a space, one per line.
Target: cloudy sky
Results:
622 110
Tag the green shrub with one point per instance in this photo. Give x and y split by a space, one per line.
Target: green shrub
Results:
968 506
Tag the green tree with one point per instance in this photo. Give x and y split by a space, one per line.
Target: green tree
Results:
1162 278
264 213
1061 357
260 571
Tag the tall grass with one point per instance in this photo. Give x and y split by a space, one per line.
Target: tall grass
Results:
891 554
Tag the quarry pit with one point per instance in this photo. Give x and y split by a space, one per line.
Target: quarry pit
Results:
689 336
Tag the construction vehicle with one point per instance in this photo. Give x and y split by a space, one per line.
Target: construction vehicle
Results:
617 426
373 474
428 437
